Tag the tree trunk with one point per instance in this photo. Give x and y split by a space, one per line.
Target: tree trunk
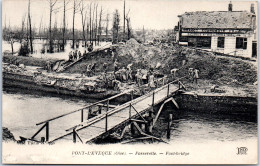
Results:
64 24
12 46
124 23
99 27
30 26
107 27
50 37
73 22
92 28
96 27
83 24
90 32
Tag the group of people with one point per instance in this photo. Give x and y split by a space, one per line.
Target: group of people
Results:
193 75
75 55
145 77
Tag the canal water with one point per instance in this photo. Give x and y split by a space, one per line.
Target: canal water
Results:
22 111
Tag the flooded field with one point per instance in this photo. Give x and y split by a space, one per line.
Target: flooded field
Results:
38 45
22 111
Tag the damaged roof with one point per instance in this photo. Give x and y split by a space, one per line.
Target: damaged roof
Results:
218 19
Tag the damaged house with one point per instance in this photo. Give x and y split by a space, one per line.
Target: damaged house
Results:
228 32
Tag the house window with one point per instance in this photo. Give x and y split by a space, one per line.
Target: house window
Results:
199 41
221 42
241 42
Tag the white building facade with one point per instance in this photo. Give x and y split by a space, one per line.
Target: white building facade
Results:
229 32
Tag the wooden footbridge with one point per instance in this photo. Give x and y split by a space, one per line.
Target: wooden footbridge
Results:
139 113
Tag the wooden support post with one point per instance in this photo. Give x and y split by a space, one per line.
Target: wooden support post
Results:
99 109
130 106
169 126
150 126
168 90
132 95
152 108
47 131
106 114
90 110
146 127
74 136
82 115
153 99
132 128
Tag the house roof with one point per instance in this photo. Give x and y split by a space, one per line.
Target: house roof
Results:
217 19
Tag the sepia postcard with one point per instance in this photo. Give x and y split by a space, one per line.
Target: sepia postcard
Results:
129 82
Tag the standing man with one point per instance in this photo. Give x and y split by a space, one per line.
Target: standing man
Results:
85 54
115 65
191 74
151 81
70 56
173 71
196 75
79 54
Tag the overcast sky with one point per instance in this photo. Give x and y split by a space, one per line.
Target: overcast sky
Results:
152 14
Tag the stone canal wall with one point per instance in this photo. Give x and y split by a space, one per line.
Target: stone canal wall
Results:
217 103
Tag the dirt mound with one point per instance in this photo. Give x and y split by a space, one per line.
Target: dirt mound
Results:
221 70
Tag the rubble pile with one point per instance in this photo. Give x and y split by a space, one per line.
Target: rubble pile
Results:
71 84
21 69
7 135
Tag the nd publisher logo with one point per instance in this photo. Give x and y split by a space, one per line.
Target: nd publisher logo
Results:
241 150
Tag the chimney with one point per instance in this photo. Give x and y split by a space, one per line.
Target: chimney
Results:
230 6
252 8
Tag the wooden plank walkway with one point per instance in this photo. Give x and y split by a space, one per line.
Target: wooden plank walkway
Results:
106 123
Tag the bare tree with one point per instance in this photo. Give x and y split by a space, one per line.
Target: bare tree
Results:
116 21
107 21
99 26
83 20
75 10
90 22
93 21
129 33
65 3
96 25
30 26
124 23
22 28
51 5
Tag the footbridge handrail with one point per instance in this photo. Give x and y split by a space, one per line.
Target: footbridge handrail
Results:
105 103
